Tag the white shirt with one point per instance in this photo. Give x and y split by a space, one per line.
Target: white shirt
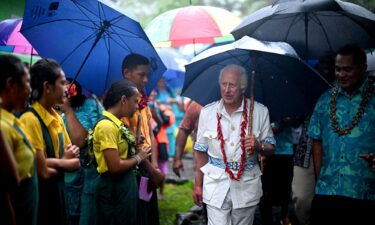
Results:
216 182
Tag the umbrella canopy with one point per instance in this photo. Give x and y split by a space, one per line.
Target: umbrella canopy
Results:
11 40
190 25
89 39
175 62
31 59
312 27
283 82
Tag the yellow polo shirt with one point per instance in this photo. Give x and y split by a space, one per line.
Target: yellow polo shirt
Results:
22 149
145 115
55 126
107 136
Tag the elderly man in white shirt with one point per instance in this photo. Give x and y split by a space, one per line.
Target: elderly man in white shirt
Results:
227 175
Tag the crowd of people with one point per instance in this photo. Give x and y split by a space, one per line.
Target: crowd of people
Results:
322 163
70 158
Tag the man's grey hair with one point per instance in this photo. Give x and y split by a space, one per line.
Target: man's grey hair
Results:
238 69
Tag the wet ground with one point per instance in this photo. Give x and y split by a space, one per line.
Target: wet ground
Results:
188 174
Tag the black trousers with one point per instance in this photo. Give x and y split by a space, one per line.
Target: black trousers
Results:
327 209
277 186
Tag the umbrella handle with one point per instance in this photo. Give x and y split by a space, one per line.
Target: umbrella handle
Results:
250 127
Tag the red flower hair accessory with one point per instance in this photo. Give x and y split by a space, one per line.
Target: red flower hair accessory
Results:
71 90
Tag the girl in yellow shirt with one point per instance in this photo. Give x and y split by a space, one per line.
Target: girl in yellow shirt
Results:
54 152
14 93
116 193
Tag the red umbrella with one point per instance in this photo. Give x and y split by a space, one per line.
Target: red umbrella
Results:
191 25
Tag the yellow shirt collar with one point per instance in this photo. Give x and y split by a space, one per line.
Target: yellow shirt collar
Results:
114 119
46 116
7 116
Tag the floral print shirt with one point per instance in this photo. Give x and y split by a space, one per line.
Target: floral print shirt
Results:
343 172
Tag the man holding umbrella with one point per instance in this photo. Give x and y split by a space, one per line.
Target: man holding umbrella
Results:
227 176
343 132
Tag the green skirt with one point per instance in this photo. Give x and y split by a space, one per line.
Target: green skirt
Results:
25 201
116 198
91 177
52 208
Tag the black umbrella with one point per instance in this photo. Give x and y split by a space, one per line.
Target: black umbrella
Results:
371 61
283 82
312 27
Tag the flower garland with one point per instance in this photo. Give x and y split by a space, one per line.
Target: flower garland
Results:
125 134
132 146
359 114
129 138
89 158
143 102
222 144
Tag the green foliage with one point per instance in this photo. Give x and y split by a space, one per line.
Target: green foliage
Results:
11 8
178 198
368 4
146 10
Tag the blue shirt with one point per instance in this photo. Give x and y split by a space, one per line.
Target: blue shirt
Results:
284 140
88 113
343 172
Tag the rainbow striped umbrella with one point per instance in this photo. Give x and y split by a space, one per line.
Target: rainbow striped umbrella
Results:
11 39
31 59
191 25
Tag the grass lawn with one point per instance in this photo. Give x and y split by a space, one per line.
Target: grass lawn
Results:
178 198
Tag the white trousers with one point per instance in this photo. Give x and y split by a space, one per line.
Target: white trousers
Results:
303 188
226 215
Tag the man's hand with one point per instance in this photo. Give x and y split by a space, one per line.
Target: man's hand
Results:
249 144
177 166
198 195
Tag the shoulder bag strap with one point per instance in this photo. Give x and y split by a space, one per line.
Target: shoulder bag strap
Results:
46 135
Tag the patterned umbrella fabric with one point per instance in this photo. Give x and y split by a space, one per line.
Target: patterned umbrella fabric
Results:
11 39
191 25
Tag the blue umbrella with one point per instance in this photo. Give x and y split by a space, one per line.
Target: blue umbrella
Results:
283 82
89 39
175 62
